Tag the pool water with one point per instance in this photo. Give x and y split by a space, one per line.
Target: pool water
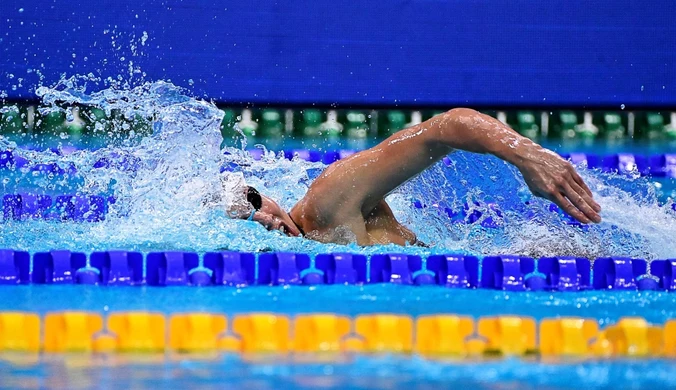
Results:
360 372
606 307
346 371
159 186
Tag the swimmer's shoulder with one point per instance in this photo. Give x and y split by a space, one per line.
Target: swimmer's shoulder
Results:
323 222
323 206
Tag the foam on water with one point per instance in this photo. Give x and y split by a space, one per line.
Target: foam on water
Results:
634 224
171 195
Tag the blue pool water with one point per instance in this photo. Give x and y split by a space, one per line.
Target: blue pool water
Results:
160 207
162 182
607 307
359 372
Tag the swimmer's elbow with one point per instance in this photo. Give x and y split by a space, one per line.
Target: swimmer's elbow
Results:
462 112
454 127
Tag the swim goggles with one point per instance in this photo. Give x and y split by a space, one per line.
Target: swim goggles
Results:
255 199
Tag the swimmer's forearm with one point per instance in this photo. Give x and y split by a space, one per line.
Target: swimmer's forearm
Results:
546 174
469 130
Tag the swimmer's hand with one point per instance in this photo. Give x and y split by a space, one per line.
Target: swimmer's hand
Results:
551 177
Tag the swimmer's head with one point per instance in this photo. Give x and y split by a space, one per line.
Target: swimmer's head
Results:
269 214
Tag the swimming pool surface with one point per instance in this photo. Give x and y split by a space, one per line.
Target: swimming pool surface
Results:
605 306
344 371
360 372
159 208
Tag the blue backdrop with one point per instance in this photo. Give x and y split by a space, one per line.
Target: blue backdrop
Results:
375 52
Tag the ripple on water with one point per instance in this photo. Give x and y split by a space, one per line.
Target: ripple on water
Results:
605 306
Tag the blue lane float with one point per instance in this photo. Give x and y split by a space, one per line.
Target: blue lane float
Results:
310 155
119 162
455 271
618 273
342 268
663 165
393 268
9 161
330 157
25 206
14 267
565 273
665 272
507 273
62 267
6 159
176 269
287 268
626 163
660 165
118 268
79 208
231 268
94 208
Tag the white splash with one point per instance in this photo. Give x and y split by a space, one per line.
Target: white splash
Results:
171 193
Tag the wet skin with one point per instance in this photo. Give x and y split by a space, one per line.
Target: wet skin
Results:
346 202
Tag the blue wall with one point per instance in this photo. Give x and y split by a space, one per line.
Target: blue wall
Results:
372 52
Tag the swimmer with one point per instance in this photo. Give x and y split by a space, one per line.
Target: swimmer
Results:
346 202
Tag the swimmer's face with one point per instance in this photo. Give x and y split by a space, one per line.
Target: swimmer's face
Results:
272 216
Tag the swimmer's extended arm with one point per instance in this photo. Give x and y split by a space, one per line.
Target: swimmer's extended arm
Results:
364 178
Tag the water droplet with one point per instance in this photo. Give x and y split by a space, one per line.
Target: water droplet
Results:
191 82
622 106
20 10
